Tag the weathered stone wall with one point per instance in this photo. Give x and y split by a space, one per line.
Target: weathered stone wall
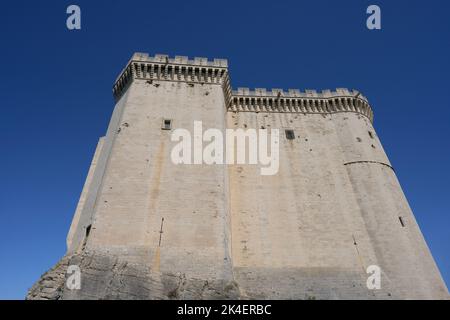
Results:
141 185
396 243
146 228
84 214
106 276
332 210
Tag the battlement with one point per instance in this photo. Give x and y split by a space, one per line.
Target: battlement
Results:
196 61
161 67
294 93
180 68
294 100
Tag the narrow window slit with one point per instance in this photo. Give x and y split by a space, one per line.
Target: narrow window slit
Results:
86 237
402 222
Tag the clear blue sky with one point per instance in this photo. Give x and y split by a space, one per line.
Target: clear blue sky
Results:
55 90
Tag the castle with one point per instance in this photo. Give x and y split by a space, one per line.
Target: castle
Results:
148 228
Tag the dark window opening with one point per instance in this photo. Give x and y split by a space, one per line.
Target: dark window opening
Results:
401 221
167 124
88 231
290 135
371 134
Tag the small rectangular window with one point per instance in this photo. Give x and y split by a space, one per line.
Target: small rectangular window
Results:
290 135
166 124
401 221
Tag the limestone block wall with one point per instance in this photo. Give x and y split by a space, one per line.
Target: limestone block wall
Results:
293 233
146 208
174 216
397 244
84 194
83 219
309 232
334 208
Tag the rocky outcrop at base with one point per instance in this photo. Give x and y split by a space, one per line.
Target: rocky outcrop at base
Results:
109 277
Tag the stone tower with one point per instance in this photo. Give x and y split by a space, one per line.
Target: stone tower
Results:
147 228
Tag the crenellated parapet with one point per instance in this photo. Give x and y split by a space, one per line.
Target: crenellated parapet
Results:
294 100
161 67
180 68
